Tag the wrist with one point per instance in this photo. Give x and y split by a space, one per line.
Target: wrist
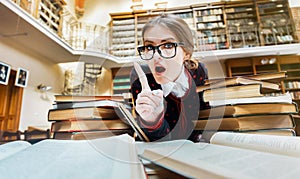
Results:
153 125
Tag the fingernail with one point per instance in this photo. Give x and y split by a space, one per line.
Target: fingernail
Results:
155 93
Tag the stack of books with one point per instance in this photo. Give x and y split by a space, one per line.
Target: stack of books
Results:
82 117
247 104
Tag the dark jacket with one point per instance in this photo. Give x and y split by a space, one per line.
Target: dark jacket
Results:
179 112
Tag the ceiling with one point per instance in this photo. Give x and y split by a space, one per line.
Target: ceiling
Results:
24 32
21 30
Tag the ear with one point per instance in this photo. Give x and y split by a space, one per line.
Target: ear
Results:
187 56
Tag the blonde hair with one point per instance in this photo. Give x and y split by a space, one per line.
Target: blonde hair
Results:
182 32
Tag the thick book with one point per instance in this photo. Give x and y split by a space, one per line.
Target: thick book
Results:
226 82
246 123
229 155
82 113
77 98
233 92
248 109
111 157
89 125
281 98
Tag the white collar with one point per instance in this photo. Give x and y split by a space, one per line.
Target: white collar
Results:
178 87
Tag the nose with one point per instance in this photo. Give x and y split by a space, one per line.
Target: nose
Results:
156 55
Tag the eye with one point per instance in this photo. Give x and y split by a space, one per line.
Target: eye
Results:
168 45
149 47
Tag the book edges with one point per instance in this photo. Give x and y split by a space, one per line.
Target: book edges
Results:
235 124
229 111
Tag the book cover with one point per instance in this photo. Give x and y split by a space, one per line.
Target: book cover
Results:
82 113
81 104
73 98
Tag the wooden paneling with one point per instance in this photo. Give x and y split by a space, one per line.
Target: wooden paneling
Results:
10 105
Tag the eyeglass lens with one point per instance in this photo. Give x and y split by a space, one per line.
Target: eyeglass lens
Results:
167 50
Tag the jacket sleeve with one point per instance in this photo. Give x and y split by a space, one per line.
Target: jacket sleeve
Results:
154 131
199 76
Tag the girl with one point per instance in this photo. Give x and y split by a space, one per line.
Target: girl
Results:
164 90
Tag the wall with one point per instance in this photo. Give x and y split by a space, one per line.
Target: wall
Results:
35 105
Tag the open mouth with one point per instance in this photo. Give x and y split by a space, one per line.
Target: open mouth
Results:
160 69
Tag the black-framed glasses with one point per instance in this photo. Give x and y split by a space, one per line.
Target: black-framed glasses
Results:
165 50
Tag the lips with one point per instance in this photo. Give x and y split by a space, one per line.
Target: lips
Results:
160 69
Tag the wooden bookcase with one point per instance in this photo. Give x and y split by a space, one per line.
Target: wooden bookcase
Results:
121 80
210 28
242 25
267 64
276 24
219 25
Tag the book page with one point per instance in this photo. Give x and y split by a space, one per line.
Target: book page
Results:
284 145
202 160
13 147
112 157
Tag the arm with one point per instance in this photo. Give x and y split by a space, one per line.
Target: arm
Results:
159 128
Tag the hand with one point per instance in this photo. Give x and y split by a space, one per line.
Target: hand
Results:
149 104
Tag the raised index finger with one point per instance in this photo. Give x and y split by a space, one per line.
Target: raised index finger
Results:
142 76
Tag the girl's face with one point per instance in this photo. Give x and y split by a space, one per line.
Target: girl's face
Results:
164 70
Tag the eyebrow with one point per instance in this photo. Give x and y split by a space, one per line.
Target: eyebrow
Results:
162 41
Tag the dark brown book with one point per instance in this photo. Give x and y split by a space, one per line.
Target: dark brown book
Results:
82 113
80 104
246 123
89 125
249 109
77 98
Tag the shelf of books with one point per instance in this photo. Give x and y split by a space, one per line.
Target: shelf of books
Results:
218 25
276 26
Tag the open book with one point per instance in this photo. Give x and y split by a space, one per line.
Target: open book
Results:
230 155
112 157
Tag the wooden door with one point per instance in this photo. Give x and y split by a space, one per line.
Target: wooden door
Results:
10 104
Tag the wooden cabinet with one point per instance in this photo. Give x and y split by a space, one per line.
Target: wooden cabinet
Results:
10 105
218 25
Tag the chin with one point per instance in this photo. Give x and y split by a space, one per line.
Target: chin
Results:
161 80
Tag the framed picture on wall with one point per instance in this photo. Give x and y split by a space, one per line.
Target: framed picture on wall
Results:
22 77
4 73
